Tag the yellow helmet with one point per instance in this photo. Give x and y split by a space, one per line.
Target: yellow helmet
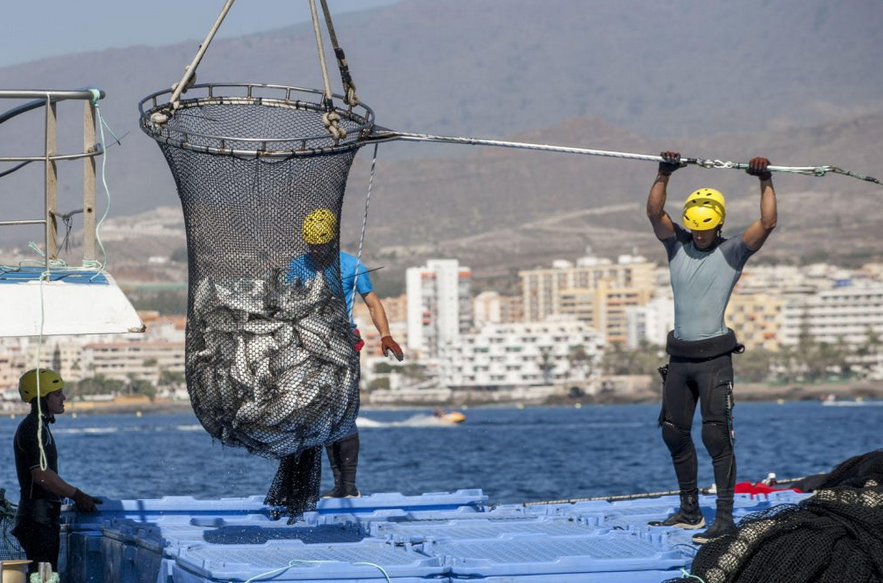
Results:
319 227
50 381
704 209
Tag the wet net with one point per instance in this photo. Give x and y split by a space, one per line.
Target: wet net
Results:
835 536
271 363
10 549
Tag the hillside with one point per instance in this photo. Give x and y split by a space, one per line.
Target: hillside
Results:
654 68
500 210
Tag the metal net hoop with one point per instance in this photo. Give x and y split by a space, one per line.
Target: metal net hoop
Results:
253 120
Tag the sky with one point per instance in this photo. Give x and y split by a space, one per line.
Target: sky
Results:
36 29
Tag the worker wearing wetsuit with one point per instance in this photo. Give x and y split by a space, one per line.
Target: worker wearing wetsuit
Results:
704 268
37 522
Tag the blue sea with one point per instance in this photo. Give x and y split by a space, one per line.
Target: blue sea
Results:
532 454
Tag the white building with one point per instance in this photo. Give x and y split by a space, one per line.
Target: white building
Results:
834 315
439 305
522 354
650 322
489 307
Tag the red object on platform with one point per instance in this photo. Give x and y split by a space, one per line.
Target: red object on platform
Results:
760 488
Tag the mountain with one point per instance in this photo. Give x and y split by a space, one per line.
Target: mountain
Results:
502 210
789 79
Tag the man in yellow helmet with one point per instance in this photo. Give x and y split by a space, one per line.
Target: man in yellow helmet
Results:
704 268
37 523
319 230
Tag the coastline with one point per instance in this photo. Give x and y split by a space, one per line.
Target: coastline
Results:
745 392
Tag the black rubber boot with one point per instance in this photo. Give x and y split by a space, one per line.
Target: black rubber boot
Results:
723 522
344 458
688 517
335 470
349 462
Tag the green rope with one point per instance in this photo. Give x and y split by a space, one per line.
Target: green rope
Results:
687 575
101 125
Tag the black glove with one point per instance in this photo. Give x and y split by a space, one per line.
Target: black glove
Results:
757 167
84 502
672 162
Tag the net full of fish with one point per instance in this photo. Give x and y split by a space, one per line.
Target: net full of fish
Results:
276 372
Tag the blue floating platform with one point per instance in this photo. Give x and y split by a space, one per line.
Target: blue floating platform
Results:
437 537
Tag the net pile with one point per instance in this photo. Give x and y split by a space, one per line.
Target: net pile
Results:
270 358
10 549
835 536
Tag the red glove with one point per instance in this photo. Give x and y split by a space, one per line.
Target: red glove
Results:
387 344
757 167
84 502
672 161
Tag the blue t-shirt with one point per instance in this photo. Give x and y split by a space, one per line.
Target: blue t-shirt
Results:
353 274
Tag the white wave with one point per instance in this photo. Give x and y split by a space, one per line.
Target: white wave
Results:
194 427
86 430
415 421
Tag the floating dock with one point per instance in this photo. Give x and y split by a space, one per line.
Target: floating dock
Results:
437 537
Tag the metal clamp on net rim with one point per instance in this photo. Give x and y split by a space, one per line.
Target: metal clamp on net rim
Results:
157 115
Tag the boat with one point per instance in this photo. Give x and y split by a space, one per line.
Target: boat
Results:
833 401
449 416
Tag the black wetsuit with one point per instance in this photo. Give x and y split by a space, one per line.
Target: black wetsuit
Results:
38 519
701 368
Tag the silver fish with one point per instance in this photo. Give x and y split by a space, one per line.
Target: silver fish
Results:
261 326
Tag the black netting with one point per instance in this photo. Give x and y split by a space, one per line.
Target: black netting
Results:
10 549
835 536
270 358
855 471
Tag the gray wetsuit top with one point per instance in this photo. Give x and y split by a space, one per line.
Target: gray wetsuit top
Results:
702 282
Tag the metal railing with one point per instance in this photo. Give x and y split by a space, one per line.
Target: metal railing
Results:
91 150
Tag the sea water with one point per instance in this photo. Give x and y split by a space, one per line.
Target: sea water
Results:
514 455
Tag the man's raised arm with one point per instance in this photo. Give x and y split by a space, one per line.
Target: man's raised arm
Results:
756 233
662 225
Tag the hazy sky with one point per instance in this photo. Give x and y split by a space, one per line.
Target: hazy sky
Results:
34 29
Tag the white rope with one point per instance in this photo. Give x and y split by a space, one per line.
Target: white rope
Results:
362 236
294 562
321 48
330 119
702 162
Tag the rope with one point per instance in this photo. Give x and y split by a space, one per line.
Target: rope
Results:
612 498
330 119
295 562
640 496
686 575
43 461
349 88
189 77
362 236
702 162
101 125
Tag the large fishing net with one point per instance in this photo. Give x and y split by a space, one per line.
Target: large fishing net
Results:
10 549
834 536
270 359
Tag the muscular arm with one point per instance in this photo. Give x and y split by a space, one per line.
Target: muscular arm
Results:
49 480
756 234
378 314
662 225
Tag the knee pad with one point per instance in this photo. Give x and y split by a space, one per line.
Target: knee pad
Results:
715 437
676 438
